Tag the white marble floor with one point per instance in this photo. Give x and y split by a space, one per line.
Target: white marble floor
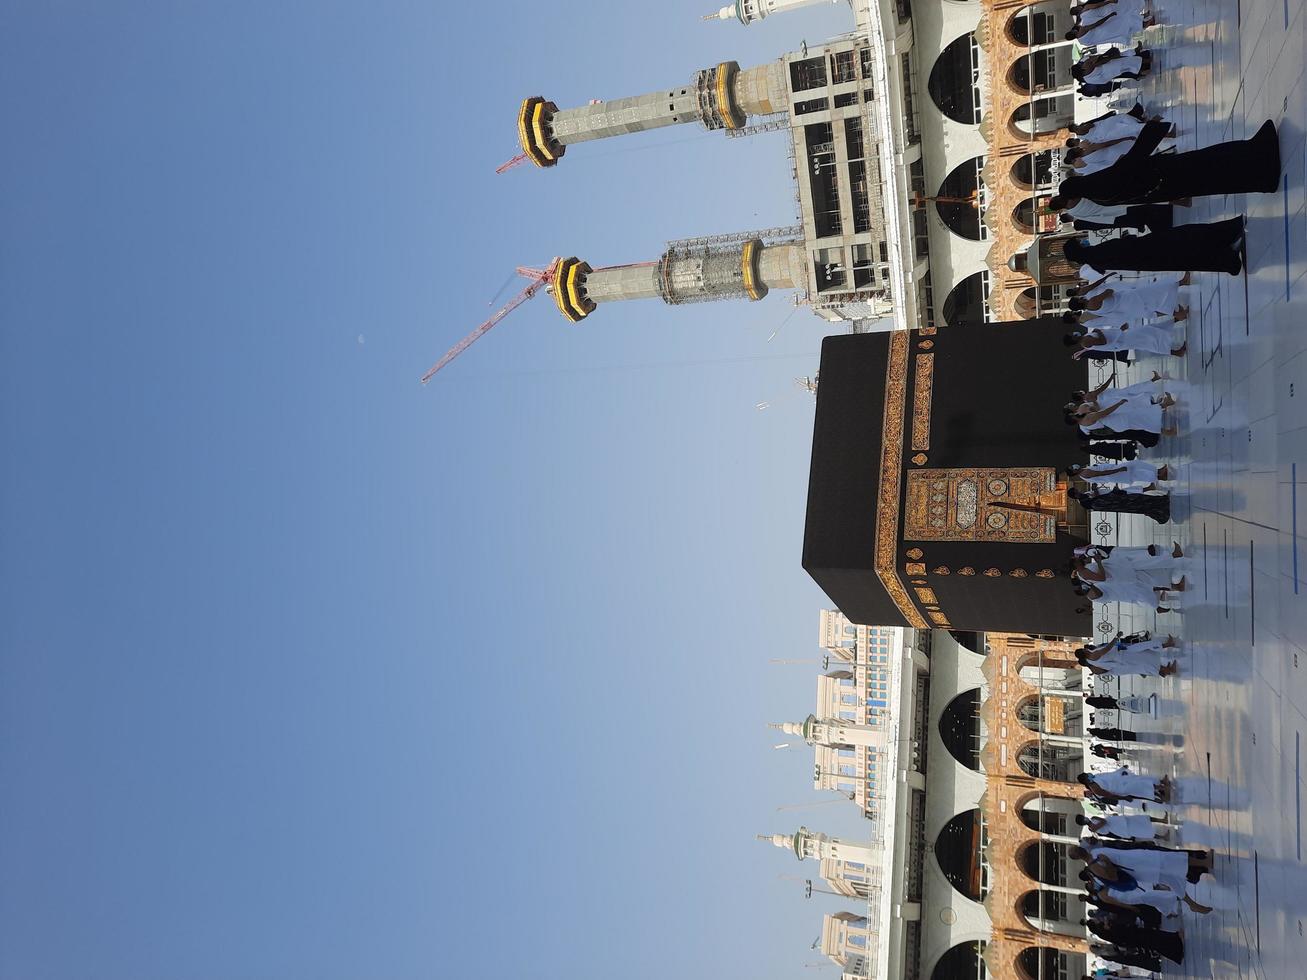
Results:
1237 712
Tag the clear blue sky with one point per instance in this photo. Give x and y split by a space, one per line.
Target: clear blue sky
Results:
311 672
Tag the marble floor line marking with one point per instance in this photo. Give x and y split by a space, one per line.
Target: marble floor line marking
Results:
1224 68
1252 595
1293 516
1284 194
1206 577
1225 567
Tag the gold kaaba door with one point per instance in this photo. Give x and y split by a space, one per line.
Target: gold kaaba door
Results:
1013 504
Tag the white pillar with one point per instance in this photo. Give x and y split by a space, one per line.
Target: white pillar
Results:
1075 740
1057 927
1059 839
1063 889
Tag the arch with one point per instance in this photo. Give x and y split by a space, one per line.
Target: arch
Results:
1041 861
1037 713
1044 822
1028 758
1057 817
1037 904
1039 71
1024 215
1023 172
1029 712
971 640
1072 792
955 79
958 850
1060 763
1018 75
1051 657
968 301
1018 28
963 960
962 213
1040 906
1048 961
959 728
1033 170
1025 305
1037 23
1030 302
1042 116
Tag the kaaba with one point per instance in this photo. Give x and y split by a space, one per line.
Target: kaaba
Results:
937 494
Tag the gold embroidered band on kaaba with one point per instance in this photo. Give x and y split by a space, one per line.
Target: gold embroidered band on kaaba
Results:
924 385
891 477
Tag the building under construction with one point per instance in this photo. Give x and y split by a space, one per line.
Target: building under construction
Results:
836 257
923 145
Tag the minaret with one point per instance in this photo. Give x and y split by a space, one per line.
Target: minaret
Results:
686 273
834 733
717 98
851 869
822 847
747 11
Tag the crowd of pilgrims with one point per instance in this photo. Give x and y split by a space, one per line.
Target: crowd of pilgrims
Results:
1124 174
1122 177
1138 887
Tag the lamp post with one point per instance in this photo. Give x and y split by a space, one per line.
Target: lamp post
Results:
920 200
809 888
818 772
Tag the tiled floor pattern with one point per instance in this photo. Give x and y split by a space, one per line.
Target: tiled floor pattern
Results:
1237 713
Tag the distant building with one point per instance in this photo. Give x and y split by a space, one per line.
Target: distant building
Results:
850 941
975 101
837 257
748 11
850 868
1036 720
925 144
855 702
870 649
965 856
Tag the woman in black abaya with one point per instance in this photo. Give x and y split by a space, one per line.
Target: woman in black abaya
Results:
1118 501
1144 177
1214 247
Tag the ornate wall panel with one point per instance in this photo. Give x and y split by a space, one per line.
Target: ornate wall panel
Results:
967 505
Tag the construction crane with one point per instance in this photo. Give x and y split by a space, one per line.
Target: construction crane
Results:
842 798
539 278
517 161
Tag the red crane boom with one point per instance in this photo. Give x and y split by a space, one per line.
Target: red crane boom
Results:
517 161
539 278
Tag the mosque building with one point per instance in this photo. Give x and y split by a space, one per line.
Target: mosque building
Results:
964 871
924 142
